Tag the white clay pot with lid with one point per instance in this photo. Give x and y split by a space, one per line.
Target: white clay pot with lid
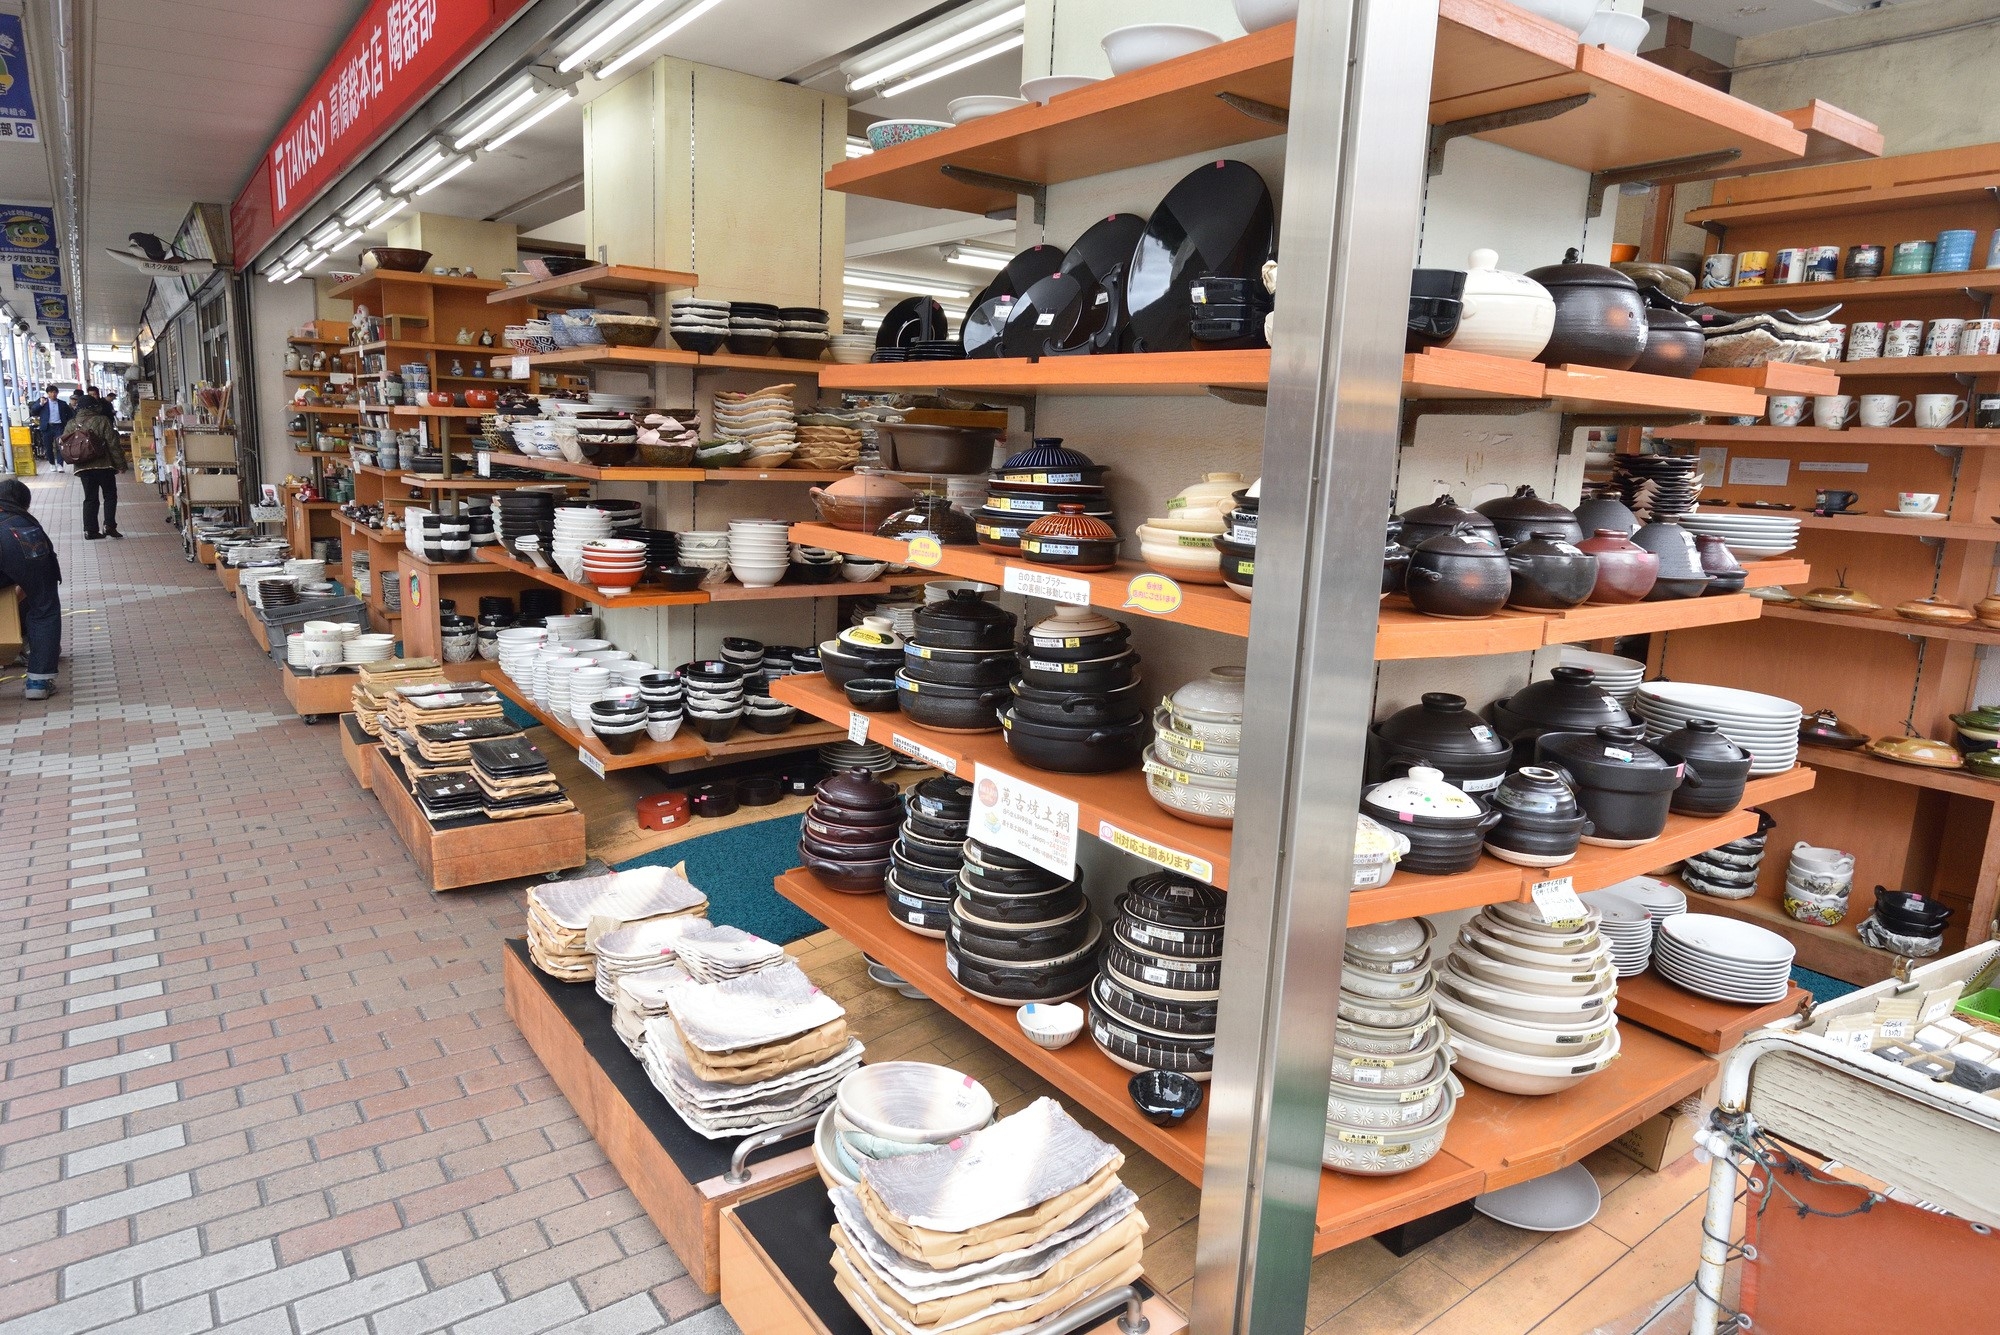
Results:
1505 314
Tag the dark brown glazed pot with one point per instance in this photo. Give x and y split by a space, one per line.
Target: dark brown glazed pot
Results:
1416 527
1600 317
1719 561
1674 344
1458 574
1626 572
1681 575
1524 515
1550 573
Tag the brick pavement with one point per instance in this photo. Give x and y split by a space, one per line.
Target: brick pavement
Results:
256 1077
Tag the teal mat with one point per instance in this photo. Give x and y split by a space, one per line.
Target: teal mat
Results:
1823 988
735 869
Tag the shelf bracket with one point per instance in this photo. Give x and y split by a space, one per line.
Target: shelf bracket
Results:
1415 410
1952 452
1254 398
1442 135
1011 184
1718 230
1257 111
1573 422
1654 172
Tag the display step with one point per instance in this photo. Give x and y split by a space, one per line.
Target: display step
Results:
1699 1022
357 748
1976 285
1884 623
1858 437
476 850
642 473
315 697
677 1174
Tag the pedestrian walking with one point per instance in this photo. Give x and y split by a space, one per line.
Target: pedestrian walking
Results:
28 562
90 446
50 417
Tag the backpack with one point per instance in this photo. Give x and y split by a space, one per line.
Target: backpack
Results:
78 446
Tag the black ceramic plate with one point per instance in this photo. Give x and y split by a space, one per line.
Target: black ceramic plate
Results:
984 324
1023 272
1048 313
911 319
1105 245
1216 220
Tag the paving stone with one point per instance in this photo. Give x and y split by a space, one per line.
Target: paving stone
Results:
130 1262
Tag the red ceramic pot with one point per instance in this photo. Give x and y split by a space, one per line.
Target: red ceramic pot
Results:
1626 571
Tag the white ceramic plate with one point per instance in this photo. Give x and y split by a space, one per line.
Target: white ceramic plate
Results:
1726 938
1553 1203
1726 699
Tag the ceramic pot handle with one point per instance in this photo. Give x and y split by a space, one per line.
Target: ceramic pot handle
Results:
1689 775
1489 820
1424 573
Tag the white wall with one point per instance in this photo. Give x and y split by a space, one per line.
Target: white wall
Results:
275 310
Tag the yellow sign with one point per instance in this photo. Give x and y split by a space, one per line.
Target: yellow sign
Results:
926 552
1152 593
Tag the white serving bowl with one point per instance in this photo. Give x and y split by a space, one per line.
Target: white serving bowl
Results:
1517 1073
1509 1004
1051 1026
914 1102
1257 15
1142 44
1054 85
963 109
1533 981
1482 940
1519 1036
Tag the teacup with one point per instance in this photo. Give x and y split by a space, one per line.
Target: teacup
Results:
1944 338
1880 410
1917 502
1787 409
1903 338
1832 412
1938 410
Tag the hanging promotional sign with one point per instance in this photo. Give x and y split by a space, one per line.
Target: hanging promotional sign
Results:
396 55
38 277
51 307
17 103
27 234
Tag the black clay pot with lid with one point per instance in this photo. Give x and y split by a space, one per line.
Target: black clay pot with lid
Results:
1568 700
1681 573
1524 514
1549 573
1446 826
1674 341
1714 768
964 620
1600 317
1459 574
1442 733
1416 527
1541 820
1624 785
1395 561
1601 512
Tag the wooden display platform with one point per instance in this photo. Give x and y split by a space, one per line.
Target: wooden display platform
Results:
1884 622
1869 292
317 697
674 1172
1857 436
480 851
1712 1026
777 1272
1964 783
492 555
625 280
357 748
1912 368
1836 951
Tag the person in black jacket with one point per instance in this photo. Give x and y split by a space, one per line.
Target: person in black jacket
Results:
51 416
28 561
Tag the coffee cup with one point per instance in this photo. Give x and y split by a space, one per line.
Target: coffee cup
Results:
1864 340
1718 271
1903 338
1982 339
1832 412
1789 266
1880 410
1787 409
1953 251
1836 341
1917 502
1831 502
1938 410
1944 338
1753 268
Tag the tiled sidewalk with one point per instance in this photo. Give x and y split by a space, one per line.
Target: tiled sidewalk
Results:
256 1077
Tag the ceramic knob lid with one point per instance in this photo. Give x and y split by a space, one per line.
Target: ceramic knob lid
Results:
1423 792
1070 521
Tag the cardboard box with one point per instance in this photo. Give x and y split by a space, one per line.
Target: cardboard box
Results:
1659 1141
211 488
208 449
12 641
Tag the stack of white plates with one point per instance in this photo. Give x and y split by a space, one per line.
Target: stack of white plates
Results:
1724 959
1764 725
368 648
1752 537
636 948
1627 929
1662 899
1617 677
574 526
711 954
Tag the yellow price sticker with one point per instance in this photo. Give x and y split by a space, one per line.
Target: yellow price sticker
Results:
926 552
1152 593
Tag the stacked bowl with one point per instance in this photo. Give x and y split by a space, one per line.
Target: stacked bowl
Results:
707 552
871 650
575 526
1018 933
1391 1093
367 648
1181 543
1153 1002
1766 726
760 550
613 565
849 830
889 1109
619 720
1033 484
665 699
928 853
1817 884
1076 706
956 667
802 332
1531 1005
1192 764
715 694
851 349
753 327
1238 543
697 325
1727 872
516 513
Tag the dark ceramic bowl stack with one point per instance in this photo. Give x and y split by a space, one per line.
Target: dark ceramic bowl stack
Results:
957 663
1019 933
1238 545
848 831
1076 707
1656 486
1032 484
1541 820
1909 913
1153 1002
715 692
1439 731
619 722
929 850
519 514
1714 770
1681 572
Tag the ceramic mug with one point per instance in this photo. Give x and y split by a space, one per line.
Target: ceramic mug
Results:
1982 339
1832 412
1718 271
1836 341
1864 340
1787 409
1903 338
1824 264
1790 266
1864 261
1917 502
1752 268
1827 501
1986 412
1938 410
1953 252
1880 410
1912 257
1944 338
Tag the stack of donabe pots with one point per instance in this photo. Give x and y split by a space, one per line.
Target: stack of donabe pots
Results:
1192 765
849 830
1390 1094
1531 1004
929 850
1152 1004
1445 825
1018 933
1624 785
1030 485
1002 1230
1076 706
956 664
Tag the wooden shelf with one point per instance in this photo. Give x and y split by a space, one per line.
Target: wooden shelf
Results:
1440 373
492 555
1812 296
1858 437
1595 868
1119 800
1909 368
1904 528
1837 951
1699 1022
1113 373
686 745
1887 623
1778 377
623 279
1602 623
1853 203
304 410
318 342
609 356
354 289
1963 783
1583 389
1777 570
737 361
466 481
593 473
774 474
421 345
403 410
474 852
307 375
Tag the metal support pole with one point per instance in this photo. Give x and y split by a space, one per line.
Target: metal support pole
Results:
1354 178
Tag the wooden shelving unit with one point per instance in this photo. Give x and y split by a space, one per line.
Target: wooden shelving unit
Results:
1895 526
625 280
1901 368
1857 437
1964 783
1854 291
1886 623
1699 1022
492 555
641 473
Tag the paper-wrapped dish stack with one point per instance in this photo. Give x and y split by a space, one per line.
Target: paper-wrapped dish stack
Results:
641 948
377 682
992 1233
715 954
561 917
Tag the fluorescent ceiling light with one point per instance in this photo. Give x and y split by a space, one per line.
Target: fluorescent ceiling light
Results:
343 239
423 167
858 147
609 34
535 119
976 259
388 213
313 263
919 286
871 322
938 50
658 36
964 62
298 254
498 118
362 205
444 176
277 273
854 303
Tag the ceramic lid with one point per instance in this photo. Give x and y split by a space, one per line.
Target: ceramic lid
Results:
871 486
1400 939
1572 273
1464 540
962 609
1218 697
1700 739
857 788
1525 507
1423 792
874 634
1374 842
1445 512
1569 700
1046 454
1440 727
1071 522
1484 277
1074 623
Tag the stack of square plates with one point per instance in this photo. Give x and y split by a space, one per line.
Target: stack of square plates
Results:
712 954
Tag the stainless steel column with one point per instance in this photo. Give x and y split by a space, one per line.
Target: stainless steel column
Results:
1352 193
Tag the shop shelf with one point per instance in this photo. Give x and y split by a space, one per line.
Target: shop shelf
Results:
318 342
593 473
1902 368
622 279
1108 805
1440 373
1886 623
1778 377
478 851
465 481
1594 868
1905 528
1699 1022
1854 203
1962 783
1974 283
736 361
303 410
1114 373
626 358
403 410
1582 389
686 745
1602 623
1408 895
1777 570
418 345
1853 437
369 284
307 375
775 474
492 555
1836 951
738 593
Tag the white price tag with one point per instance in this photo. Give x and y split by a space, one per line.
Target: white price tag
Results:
1042 584
483 462
590 762
1024 820
1556 901
918 751
519 369
857 726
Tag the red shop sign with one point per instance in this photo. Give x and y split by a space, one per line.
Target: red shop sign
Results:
398 53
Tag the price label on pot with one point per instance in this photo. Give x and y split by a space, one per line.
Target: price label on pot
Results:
918 751
1155 594
1024 820
518 368
926 552
590 762
1556 901
1041 584
857 726
482 462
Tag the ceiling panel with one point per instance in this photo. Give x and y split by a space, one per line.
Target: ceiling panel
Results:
1754 18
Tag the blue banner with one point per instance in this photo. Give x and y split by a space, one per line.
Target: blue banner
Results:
27 234
17 103
51 307
38 277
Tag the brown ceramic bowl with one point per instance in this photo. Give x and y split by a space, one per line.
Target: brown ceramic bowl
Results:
395 259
